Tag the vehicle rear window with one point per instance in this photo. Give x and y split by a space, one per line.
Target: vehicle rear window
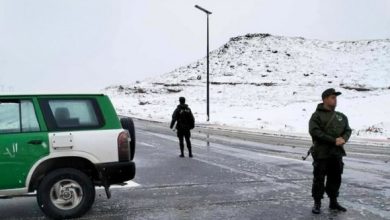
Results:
18 116
72 114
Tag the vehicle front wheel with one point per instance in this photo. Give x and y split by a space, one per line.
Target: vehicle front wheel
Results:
65 193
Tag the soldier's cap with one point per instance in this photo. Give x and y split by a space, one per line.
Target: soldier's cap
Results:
330 92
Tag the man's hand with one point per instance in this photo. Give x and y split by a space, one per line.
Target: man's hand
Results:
340 141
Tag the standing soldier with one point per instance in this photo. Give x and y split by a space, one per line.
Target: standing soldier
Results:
185 122
329 130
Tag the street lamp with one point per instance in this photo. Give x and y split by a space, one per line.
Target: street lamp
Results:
208 61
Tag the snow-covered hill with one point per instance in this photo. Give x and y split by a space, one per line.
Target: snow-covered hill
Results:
274 83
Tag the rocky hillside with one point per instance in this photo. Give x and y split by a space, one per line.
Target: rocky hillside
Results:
273 83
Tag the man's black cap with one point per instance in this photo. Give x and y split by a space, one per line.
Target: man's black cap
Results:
330 92
182 100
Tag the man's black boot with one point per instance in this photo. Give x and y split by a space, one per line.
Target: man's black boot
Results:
317 207
334 205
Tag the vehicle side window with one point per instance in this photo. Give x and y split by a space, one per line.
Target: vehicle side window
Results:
29 118
18 116
79 113
9 117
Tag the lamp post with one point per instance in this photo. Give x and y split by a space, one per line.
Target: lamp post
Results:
208 61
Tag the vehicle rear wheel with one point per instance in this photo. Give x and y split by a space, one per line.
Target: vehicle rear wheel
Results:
128 124
65 193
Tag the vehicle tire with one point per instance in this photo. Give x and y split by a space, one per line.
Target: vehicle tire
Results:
65 193
128 124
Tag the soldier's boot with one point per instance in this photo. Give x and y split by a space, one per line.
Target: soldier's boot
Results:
190 151
181 149
334 205
317 207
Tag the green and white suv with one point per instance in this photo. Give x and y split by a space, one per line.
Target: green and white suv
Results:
62 146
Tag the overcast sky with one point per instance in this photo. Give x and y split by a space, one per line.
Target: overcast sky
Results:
86 45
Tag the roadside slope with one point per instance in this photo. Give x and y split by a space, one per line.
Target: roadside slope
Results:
265 82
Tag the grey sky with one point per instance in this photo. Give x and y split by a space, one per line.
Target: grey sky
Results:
85 45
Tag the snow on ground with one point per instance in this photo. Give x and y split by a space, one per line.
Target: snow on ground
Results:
273 83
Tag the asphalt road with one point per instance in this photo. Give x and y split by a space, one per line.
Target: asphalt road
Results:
232 176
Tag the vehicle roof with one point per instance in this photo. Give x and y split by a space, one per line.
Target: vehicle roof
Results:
50 95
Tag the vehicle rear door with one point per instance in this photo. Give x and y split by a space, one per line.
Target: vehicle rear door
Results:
22 141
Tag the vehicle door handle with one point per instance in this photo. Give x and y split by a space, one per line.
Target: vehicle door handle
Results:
35 142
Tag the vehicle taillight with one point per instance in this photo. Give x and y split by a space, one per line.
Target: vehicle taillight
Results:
124 146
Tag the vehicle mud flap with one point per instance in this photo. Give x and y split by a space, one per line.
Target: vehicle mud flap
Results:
105 183
108 192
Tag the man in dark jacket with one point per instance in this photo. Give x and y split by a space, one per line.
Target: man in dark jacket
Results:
329 130
185 122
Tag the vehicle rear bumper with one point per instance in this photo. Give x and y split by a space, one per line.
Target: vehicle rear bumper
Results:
116 172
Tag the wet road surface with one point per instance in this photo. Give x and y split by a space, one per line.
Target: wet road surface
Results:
231 177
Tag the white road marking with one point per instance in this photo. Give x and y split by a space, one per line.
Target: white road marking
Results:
146 144
129 184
